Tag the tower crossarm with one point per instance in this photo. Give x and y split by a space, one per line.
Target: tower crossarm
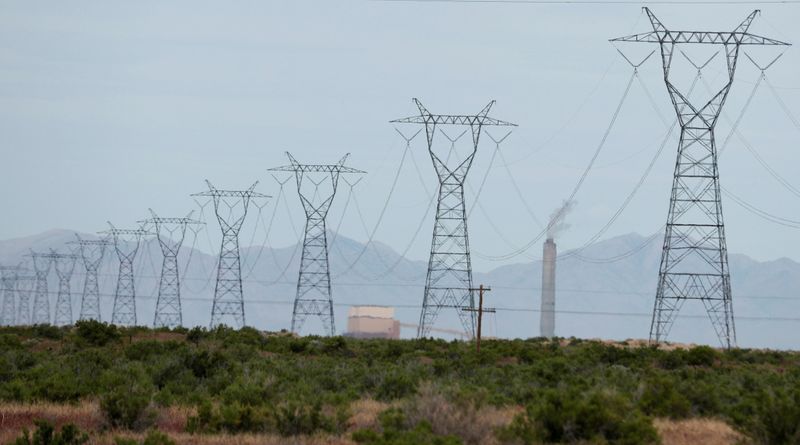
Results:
43 255
162 220
91 242
705 37
739 36
316 168
125 232
232 194
214 192
296 167
453 119
427 118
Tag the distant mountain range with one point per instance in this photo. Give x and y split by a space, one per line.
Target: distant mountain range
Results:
604 292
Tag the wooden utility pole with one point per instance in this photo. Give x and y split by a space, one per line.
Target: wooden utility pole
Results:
480 310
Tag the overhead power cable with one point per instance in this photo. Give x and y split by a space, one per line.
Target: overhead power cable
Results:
385 206
581 179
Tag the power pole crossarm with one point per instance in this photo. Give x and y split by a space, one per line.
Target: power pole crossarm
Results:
480 310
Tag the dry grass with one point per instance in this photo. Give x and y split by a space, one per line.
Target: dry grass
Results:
238 439
172 421
364 414
697 431
86 416
14 417
474 425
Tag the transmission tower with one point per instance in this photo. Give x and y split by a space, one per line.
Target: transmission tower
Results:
313 295
9 276
230 206
41 299
449 280
126 244
64 266
694 260
25 287
91 252
170 233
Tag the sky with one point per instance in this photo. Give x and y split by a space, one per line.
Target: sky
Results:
110 108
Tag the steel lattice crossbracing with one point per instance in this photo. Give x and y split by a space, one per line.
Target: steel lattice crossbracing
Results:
228 293
694 261
9 276
170 233
313 295
64 265
449 278
126 244
25 287
41 299
91 252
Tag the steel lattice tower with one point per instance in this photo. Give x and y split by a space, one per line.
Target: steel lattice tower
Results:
170 233
313 295
126 244
91 252
228 294
694 261
64 266
25 286
41 299
9 276
449 280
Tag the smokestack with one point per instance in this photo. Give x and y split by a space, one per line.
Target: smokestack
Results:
547 323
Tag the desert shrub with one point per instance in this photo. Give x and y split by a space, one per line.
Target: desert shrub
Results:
94 333
396 431
773 419
572 416
462 417
702 356
48 331
128 398
196 334
46 434
294 419
661 398
230 418
395 385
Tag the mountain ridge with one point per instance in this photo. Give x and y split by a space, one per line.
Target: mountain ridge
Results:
594 299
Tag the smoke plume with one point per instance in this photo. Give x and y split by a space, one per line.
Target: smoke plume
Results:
557 224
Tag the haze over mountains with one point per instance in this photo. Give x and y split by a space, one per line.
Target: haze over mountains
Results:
596 297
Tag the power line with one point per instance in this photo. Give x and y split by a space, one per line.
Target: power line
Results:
499 309
607 2
499 287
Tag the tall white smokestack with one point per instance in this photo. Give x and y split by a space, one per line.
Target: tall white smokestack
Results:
547 322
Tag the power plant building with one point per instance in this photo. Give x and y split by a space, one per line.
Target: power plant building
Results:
372 322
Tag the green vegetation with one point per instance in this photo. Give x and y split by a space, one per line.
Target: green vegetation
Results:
46 434
247 381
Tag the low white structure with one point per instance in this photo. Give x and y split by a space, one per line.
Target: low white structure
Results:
372 322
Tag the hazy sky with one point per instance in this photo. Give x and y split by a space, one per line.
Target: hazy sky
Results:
113 107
